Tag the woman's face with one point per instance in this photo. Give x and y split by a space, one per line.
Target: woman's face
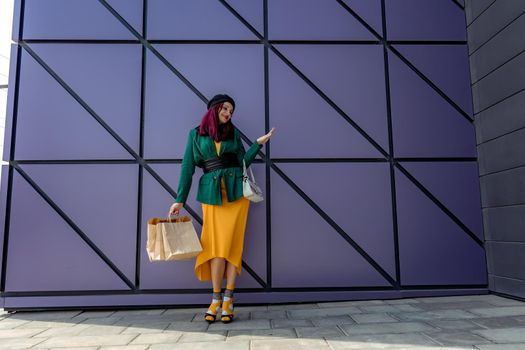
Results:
225 114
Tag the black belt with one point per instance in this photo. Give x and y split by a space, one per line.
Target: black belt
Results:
226 160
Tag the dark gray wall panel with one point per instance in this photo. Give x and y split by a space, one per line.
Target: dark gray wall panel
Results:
502 153
499 50
474 8
509 286
507 258
501 119
502 83
494 19
505 223
503 188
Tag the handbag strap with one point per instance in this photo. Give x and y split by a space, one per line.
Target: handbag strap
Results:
244 171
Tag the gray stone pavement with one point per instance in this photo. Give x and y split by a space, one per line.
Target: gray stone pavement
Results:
483 322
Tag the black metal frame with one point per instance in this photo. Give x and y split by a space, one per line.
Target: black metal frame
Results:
395 284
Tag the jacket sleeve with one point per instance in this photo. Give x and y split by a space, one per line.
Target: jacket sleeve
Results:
252 151
187 170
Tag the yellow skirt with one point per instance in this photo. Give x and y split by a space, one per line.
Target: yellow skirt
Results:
222 233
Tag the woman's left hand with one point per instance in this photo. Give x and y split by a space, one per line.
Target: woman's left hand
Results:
263 139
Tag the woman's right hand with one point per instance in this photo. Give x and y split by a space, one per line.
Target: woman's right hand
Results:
175 208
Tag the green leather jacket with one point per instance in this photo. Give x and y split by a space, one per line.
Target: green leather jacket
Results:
202 148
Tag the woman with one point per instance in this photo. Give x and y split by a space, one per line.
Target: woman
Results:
216 146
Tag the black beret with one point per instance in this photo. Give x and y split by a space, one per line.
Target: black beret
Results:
219 99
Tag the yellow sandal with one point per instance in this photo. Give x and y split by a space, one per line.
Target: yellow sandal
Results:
227 311
213 310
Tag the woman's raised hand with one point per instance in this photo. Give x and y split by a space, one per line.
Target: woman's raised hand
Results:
175 208
263 139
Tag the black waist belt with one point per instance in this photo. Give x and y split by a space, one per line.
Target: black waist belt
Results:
226 160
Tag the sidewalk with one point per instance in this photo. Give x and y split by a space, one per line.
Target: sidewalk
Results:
484 322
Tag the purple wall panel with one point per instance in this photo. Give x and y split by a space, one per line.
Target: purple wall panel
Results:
106 77
369 11
53 124
433 249
447 66
425 20
103 206
45 253
424 124
80 19
362 207
351 76
8 130
294 105
454 184
197 19
307 252
328 181
252 11
303 20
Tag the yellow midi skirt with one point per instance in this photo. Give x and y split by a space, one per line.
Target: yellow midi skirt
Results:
222 235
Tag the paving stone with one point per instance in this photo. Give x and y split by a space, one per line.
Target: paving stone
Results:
503 335
232 345
402 301
381 309
44 315
210 336
239 316
184 311
500 301
289 344
126 321
455 298
350 303
103 321
20 333
454 324
50 324
383 341
156 338
274 314
138 312
373 318
146 328
102 330
451 338
86 348
318 332
300 306
500 322
249 334
435 315
250 308
94 314
125 347
316 313
453 305
235 325
19 343
517 346
393 327
187 326
499 311
86 340
12 323
407 308
62 331
332 320
290 323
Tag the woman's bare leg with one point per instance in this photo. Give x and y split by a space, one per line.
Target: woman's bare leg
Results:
231 274
217 272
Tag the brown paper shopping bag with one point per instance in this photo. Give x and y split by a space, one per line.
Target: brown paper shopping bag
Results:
172 239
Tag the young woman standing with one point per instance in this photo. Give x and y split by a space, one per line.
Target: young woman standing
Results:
216 146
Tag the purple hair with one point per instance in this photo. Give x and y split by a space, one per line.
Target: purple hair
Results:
210 125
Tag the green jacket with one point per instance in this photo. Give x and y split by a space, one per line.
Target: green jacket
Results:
202 148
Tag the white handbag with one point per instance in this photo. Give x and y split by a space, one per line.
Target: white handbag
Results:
250 189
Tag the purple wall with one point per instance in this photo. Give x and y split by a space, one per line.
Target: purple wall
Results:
371 186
